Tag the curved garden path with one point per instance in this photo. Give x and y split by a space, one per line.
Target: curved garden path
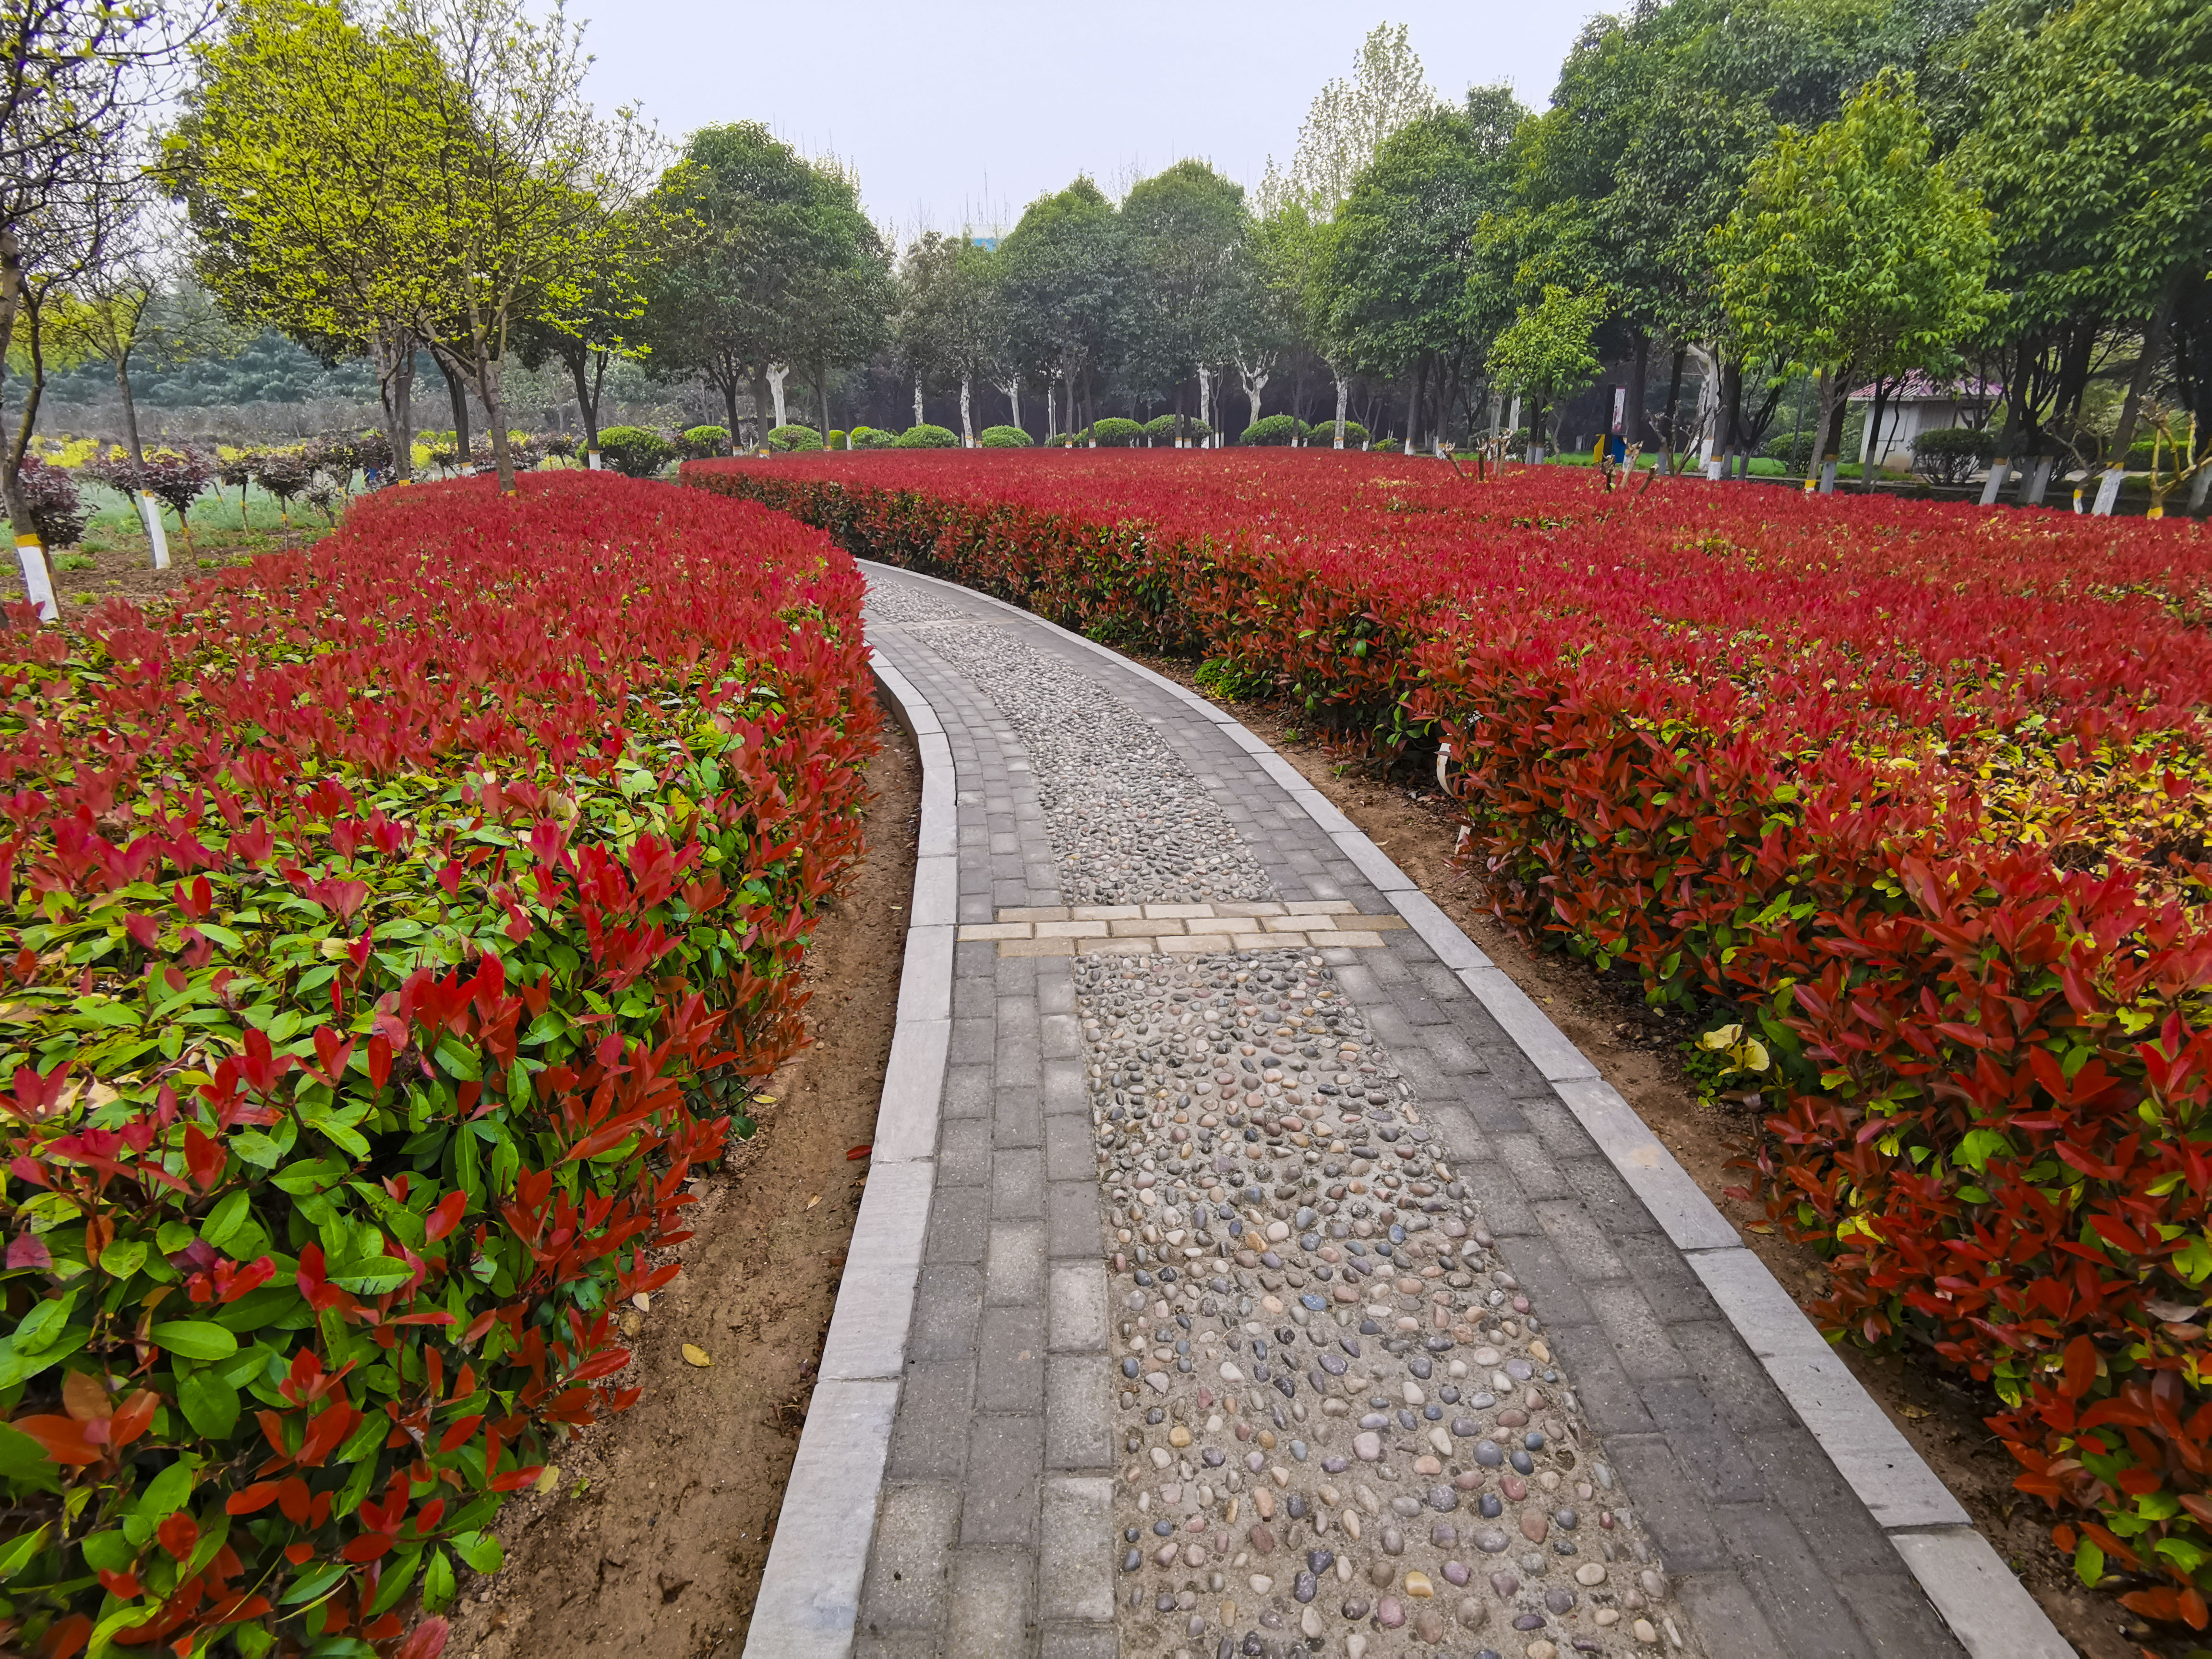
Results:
1247 1267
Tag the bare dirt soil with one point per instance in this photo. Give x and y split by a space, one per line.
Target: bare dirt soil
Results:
1639 1053
652 1536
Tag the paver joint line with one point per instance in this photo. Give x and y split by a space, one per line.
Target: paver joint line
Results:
1048 763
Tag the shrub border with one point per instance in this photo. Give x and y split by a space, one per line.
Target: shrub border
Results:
1986 1606
809 1590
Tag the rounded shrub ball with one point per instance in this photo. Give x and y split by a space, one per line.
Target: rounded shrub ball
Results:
1278 429
873 437
635 452
1003 437
928 437
789 440
1114 433
701 441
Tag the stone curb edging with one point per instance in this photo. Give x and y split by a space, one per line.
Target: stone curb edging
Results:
809 1592
1986 1606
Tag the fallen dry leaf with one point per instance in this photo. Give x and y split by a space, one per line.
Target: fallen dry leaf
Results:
550 1478
1915 1413
814 1200
696 1356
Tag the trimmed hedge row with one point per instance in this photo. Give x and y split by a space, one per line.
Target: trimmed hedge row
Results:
1923 793
390 931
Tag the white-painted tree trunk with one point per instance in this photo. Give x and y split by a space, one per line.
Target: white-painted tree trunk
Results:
1256 382
777 372
1993 486
2039 482
1012 391
38 579
1051 409
1205 398
156 533
967 423
2200 487
918 418
2108 492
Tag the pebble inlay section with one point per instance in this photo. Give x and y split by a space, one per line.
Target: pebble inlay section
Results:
1341 1431
1127 820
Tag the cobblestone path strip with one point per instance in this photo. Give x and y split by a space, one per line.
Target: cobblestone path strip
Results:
1272 1298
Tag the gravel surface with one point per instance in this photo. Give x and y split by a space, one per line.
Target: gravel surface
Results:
1128 823
1341 1428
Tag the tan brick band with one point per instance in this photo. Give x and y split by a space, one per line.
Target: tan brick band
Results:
1135 930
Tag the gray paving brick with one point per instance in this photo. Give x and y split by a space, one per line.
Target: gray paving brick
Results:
908 1576
947 1302
1727 1617
1078 1430
929 1438
1070 1153
1704 1443
1017 1183
963 1153
1552 1288
1582 1246
1638 1334
1532 1167
967 1091
991 1600
1672 1510
1073 1219
1010 1350
1013 1264
1614 1206
1784 1576
1676 1294
959 1220
1729 1375
1017 1116
1791 1463
1892 1614
1005 1459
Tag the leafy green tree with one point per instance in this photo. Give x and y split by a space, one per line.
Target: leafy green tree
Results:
524 187
602 324
1195 298
1406 269
1351 119
743 224
1063 278
948 320
293 96
1854 254
76 77
2091 137
1544 354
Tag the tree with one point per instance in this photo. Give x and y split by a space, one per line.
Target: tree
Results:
1854 253
1545 353
525 185
604 323
1194 299
74 76
948 319
1350 120
2091 137
301 156
742 222
1063 275
1410 284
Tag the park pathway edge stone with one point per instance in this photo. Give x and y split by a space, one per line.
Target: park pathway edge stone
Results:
895 1433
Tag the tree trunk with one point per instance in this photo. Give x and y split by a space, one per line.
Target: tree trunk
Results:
1012 388
1828 451
30 551
2108 491
729 410
1343 396
777 374
457 392
822 385
149 508
1671 441
1869 445
1639 375
489 393
395 385
966 421
588 408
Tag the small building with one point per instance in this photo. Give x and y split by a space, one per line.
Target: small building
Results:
1919 404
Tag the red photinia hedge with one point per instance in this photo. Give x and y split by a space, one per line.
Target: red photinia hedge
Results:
1923 790
387 932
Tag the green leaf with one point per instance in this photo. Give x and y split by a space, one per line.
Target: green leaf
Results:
398 1574
209 1404
438 1583
195 1339
125 1257
23 1462
2089 1564
1980 1146
108 1551
167 1492
43 1326
456 1060
18 1551
308 1588
308 1175
481 1550
225 1220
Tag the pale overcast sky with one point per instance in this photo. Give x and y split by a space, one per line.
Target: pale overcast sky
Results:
963 113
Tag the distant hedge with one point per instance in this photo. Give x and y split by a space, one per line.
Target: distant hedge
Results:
1004 437
1114 433
1274 429
633 451
787 439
